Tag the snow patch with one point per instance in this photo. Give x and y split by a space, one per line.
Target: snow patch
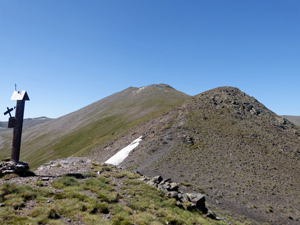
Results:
140 89
117 158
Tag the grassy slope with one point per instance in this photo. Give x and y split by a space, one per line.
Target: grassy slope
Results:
114 197
90 126
229 145
243 158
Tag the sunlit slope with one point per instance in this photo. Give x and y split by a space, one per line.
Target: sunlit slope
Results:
83 130
244 156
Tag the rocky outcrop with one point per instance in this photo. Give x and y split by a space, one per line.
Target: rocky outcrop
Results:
189 201
65 166
12 167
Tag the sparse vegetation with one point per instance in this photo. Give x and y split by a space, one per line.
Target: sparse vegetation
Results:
249 155
242 156
93 200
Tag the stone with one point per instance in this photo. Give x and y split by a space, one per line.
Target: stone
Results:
184 198
160 187
151 183
156 179
166 181
188 140
12 167
56 164
192 200
167 186
211 215
191 206
220 218
174 187
178 203
142 179
172 194
197 199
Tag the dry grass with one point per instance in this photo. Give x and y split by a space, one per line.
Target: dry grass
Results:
93 200
241 154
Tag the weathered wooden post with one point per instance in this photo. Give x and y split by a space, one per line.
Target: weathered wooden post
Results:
14 166
21 97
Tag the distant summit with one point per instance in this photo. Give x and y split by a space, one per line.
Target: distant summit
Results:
28 122
294 119
162 86
159 86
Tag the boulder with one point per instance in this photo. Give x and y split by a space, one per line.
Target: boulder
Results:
197 199
156 179
174 187
167 186
166 181
190 200
12 167
172 194
183 197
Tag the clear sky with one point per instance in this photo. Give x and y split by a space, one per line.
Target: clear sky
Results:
68 54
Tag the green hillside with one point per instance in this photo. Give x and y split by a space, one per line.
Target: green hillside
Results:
79 132
222 142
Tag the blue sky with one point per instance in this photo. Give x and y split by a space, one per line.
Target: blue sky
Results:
68 54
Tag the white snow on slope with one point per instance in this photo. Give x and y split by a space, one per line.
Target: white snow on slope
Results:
117 158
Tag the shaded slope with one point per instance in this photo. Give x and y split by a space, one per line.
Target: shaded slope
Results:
86 128
245 157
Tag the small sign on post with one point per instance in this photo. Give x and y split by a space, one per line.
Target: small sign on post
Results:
12 120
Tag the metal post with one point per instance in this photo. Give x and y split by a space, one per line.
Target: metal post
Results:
16 143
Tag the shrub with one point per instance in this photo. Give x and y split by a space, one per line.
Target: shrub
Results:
65 181
108 196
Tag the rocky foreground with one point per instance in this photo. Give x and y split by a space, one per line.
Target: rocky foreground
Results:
70 181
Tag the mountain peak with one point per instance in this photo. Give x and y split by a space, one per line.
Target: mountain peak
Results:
159 90
162 86
229 143
228 90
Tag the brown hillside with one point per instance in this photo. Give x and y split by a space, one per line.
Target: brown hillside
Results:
226 143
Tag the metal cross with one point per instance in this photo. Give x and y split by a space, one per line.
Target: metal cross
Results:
15 87
8 111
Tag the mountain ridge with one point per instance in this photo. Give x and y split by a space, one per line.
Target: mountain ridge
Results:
222 142
27 121
243 148
65 136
